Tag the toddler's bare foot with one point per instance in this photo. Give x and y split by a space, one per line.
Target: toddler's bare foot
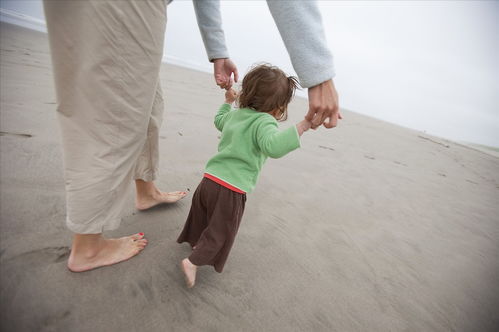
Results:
148 195
189 270
91 251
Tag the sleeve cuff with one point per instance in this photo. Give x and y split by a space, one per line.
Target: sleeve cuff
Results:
222 55
297 136
318 77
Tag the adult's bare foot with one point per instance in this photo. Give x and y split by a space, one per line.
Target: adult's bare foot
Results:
189 270
90 251
148 195
147 202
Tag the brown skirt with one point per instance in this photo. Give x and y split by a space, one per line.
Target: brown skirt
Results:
212 224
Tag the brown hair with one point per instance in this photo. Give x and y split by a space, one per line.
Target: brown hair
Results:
266 88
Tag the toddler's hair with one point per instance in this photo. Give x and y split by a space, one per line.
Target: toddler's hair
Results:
266 88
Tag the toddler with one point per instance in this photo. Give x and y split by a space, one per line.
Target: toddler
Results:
249 135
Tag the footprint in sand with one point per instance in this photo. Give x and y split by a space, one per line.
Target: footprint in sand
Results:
326 147
5 133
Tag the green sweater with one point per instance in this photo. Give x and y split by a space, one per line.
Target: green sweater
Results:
248 138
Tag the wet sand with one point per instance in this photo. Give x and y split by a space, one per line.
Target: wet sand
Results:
368 227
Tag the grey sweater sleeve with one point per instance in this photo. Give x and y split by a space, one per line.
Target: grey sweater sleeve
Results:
210 26
300 26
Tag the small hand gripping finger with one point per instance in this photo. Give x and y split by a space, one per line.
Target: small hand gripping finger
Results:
228 94
315 115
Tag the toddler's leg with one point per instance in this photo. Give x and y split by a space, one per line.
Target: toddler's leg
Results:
189 270
194 226
196 221
224 210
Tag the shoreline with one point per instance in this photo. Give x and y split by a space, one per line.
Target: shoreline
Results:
34 24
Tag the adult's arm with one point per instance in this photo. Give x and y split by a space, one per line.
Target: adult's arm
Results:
210 25
301 29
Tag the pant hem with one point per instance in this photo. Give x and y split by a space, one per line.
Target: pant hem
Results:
147 176
93 228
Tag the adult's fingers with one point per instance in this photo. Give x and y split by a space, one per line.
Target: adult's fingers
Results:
236 74
219 80
223 82
314 127
332 121
310 115
326 114
229 84
319 117
314 115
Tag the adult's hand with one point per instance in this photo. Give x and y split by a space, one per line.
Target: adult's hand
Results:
322 105
223 70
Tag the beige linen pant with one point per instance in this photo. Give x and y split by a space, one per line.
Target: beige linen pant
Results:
106 57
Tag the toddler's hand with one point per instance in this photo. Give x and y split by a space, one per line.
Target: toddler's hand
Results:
303 126
230 96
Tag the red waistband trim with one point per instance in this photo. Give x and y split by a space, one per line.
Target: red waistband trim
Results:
223 183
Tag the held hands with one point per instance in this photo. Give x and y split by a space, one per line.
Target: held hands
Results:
223 70
323 104
230 96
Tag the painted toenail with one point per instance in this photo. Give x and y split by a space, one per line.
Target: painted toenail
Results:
141 234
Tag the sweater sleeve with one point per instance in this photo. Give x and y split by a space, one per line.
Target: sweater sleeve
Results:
210 26
273 142
221 116
301 29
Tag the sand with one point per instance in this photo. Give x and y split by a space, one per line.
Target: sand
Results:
368 227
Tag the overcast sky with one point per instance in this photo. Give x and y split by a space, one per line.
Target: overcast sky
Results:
431 66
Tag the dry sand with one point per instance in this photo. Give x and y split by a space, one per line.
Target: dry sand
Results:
368 227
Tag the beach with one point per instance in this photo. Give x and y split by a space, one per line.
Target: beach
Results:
367 227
